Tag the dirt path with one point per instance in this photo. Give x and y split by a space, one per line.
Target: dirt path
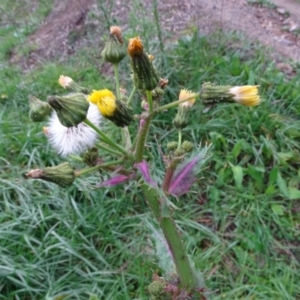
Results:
277 28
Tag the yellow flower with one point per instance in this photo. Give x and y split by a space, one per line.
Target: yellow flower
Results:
186 94
111 108
105 100
246 94
64 81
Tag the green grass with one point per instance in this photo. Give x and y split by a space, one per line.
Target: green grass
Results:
240 223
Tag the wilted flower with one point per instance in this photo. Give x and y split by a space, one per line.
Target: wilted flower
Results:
245 95
111 108
39 110
144 74
74 139
182 119
114 50
71 109
69 84
184 94
63 174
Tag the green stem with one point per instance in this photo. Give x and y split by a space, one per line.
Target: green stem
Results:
105 138
176 103
131 95
184 269
127 138
141 139
111 151
150 102
96 168
75 157
116 69
179 138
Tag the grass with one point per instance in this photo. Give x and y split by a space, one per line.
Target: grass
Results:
240 223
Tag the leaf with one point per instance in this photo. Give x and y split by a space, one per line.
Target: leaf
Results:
144 169
185 175
294 194
277 209
238 175
114 180
282 185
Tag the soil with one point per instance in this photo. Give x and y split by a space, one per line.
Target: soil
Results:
276 27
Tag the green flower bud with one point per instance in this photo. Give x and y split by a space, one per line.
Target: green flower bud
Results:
187 146
39 110
181 119
71 109
90 157
179 152
171 146
114 50
157 290
144 74
63 174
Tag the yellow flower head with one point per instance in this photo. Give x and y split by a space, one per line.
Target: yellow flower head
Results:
135 46
246 95
186 94
64 81
105 100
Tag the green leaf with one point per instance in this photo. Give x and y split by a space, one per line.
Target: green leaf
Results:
273 175
282 185
238 175
294 194
237 149
277 209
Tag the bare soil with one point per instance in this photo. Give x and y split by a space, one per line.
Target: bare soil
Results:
277 28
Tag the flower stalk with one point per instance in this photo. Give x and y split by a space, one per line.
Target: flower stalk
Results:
85 171
106 139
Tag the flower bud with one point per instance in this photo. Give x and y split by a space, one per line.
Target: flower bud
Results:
245 95
182 119
111 108
39 110
71 86
171 146
114 50
63 174
144 74
187 146
71 109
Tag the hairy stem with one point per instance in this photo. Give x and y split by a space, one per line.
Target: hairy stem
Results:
184 269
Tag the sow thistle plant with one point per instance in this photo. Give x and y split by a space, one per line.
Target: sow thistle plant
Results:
74 130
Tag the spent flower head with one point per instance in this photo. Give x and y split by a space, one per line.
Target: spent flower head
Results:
114 50
63 174
144 74
71 109
39 110
69 84
74 139
111 108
